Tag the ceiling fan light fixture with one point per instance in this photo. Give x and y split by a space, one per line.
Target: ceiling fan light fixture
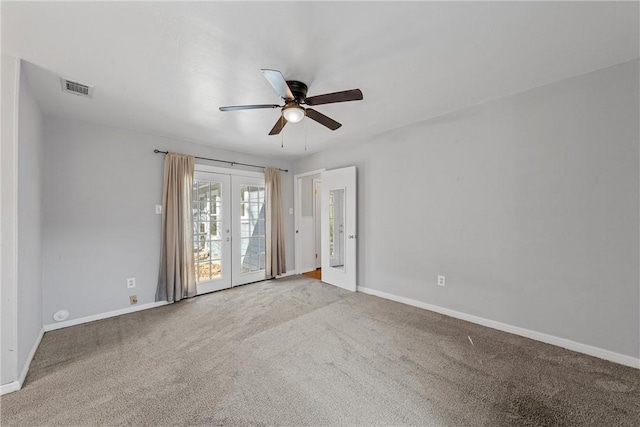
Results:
294 93
293 113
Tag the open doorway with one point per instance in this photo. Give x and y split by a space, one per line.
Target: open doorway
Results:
308 223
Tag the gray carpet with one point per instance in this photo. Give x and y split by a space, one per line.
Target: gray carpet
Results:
299 352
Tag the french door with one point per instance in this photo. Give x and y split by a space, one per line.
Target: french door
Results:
228 230
248 258
211 231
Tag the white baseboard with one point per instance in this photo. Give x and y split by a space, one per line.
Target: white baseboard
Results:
9 387
93 318
32 353
288 273
538 336
17 385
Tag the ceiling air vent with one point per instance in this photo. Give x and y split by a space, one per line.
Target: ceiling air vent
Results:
76 88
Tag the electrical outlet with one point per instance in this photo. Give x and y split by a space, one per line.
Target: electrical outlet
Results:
133 299
440 280
158 209
131 282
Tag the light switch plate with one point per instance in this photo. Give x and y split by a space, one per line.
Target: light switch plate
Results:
158 209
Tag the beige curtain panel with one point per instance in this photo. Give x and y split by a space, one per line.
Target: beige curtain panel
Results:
273 221
176 279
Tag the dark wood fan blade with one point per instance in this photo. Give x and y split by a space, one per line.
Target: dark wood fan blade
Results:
277 128
322 119
330 98
278 82
248 107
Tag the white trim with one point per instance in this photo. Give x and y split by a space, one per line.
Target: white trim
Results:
538 336
9 387
199 167
17 385
317 216
288 273
317 171
25 368
94 317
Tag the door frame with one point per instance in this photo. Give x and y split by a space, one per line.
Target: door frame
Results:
205 168
317 222
227 171
296 218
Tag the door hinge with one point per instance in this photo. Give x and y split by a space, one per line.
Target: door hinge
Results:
316 256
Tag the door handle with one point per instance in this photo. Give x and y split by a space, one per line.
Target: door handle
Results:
352 236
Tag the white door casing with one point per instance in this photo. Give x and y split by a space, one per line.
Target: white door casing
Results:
317 214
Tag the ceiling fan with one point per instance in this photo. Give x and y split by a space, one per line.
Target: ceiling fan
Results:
294 95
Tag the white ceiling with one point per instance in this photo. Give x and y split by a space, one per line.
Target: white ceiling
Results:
165 68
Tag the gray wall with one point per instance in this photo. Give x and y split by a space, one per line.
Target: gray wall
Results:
30 162
9 269
101 188
529 206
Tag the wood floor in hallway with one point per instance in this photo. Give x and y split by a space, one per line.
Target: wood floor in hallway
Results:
315 274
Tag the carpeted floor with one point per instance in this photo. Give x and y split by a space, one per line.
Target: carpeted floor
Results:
300 352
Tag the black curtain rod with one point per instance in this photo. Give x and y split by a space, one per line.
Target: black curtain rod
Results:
222 161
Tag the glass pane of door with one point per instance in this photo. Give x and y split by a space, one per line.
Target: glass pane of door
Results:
336 228
252 233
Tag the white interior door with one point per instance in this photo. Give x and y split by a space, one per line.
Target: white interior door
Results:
211 231
248 229
338 207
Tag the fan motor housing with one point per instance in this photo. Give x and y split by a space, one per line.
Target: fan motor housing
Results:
298 89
